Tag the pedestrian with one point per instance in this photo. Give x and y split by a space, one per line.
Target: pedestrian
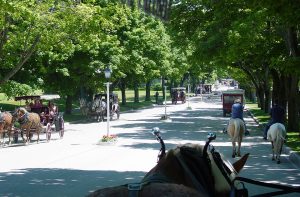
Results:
277 114
156 97
237 111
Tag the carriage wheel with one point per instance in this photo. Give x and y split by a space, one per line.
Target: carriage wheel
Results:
48 132
62 128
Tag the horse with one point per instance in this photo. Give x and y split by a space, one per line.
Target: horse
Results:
84 106
276 134
175 96
236 129
6 123
182 96
28 121
98 108
115 109
187 170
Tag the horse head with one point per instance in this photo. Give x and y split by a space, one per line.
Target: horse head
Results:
198 167
19 114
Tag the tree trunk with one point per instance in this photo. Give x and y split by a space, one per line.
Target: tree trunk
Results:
123 91
69 104
291 40
260 100
136 92
148 91
293 108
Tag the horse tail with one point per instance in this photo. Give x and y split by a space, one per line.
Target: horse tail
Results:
237 128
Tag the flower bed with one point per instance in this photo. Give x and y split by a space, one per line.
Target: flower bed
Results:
109 138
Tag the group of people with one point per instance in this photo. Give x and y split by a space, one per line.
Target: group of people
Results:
37 106
277 115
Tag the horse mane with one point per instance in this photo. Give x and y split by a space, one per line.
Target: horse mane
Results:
22 110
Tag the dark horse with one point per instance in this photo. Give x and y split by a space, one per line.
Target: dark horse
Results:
188 170
28 121
6 124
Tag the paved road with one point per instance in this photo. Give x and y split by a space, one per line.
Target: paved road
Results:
76 165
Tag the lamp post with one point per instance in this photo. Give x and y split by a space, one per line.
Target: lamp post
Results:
189 94
165 98
107 73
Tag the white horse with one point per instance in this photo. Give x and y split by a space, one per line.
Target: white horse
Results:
98 108
84 106
276 135
236 129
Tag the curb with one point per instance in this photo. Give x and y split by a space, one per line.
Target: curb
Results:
294 157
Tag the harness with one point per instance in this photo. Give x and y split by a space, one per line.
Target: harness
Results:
24 118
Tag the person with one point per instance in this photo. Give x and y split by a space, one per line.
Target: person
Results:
237 111
277 116
156 97
53 110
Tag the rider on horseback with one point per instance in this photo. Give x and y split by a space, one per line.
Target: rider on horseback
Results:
277 116
237 110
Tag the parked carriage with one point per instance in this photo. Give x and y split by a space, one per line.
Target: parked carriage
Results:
178 94
228 97
50 120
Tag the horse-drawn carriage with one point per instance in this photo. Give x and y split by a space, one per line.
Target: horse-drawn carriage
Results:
114 107
178 94
228 97
48 115
97 109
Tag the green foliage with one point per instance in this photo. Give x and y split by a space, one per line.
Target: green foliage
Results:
12 89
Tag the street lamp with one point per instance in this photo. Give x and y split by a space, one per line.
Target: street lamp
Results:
189 94
166 98
165 117
107 73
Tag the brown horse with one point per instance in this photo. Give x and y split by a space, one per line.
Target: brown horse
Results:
6 123
183 171
28 121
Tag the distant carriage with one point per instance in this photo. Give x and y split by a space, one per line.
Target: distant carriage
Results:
228 97
178 94
113 102
97 109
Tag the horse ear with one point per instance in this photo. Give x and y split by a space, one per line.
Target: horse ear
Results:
238 165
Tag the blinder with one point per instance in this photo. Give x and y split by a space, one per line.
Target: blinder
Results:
236 191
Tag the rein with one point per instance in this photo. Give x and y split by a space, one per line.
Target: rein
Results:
285 189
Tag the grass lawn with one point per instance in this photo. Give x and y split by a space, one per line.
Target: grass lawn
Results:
293 138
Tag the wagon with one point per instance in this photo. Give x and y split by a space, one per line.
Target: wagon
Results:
178 94
50 122
228 97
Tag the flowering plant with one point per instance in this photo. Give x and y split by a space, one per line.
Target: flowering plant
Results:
109 138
